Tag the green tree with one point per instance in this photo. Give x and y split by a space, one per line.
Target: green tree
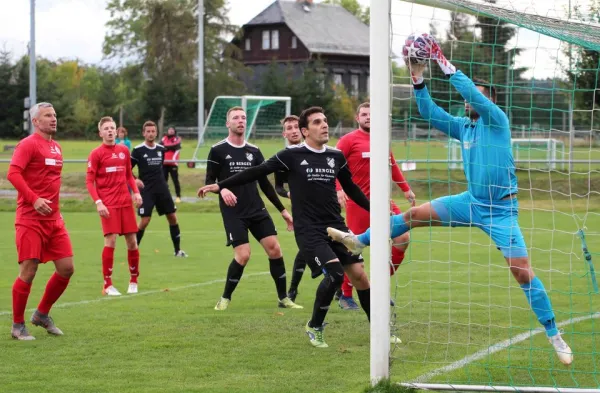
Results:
354 7
12 92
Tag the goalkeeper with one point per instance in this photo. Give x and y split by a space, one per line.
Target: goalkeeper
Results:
491 200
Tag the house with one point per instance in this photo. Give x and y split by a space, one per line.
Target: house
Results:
295 32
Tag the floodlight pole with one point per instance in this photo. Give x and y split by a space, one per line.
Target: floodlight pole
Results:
200 69
32 61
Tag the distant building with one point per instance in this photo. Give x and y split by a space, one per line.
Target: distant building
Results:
295 32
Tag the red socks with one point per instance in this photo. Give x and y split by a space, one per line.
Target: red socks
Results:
133 258
397 258
347 287
54 289
20 294
108 260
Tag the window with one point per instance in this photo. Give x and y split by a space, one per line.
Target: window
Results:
247 44
368 84
354 84
275 39
294 42
266 40
337 79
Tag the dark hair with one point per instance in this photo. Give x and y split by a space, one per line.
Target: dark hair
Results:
491 90
123 130
303 119
363 105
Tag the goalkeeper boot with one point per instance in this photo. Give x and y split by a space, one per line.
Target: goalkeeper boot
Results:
564 352
222 304
286 302
19 332
45 321
315 336
347 239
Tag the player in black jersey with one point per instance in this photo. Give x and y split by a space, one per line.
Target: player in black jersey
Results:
243 209
312 171
149 157
293 137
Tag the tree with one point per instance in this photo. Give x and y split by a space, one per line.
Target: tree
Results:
160 36
354 7
12 92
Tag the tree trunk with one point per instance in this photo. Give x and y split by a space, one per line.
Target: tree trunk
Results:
161 121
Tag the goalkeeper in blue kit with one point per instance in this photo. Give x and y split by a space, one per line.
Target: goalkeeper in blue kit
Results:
490 203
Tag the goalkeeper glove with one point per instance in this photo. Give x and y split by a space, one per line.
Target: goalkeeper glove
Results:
436 53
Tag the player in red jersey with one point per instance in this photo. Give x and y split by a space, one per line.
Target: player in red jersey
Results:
356 147
108 175
41 235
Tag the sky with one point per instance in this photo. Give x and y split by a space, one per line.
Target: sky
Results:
76 28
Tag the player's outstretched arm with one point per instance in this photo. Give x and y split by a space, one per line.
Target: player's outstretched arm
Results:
429 110
351 189
488 111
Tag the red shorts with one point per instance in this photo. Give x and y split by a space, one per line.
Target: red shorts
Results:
358 218
121 221
44 240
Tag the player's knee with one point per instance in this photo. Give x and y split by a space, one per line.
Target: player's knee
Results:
131 242
273 250
242 256
28 270
335 273
521 270
172 219
110 240
401 242
144 223
66 271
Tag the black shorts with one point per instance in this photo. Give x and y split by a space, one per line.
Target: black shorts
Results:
161 199
236 229
318 249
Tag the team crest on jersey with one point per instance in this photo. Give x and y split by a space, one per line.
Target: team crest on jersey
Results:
249 156
54 150
331 162
122 155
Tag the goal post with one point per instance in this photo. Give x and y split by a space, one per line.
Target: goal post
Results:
263 114
465 322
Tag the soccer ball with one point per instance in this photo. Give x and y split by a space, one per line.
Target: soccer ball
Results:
417 48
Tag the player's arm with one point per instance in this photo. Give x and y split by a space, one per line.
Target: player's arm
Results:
135 157
267 187
280 185
213 166
352 190
20 159
90 182
398 178
488 111
343 146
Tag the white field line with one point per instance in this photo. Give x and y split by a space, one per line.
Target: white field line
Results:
152 292
496 348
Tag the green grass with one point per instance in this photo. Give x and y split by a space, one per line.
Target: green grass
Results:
454 298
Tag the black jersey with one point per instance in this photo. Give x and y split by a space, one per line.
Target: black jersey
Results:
225 160
150 163
281 177
311 178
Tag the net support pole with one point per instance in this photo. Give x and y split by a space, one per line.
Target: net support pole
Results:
571 133
32 62
380 72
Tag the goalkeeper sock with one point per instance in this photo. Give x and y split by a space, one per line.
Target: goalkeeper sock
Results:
540 304
398 227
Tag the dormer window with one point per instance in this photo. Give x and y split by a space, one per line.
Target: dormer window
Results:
274 39
294 44
266 40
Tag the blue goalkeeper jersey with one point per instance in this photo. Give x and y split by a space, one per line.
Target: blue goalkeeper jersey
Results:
485 144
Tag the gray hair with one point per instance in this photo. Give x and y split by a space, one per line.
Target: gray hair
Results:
35 110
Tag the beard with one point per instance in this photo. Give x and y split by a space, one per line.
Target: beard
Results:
365 128
473 115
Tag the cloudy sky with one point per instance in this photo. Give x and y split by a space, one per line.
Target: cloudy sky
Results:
76 28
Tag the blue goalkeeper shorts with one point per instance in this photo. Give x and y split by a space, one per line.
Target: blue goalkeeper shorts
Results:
499 220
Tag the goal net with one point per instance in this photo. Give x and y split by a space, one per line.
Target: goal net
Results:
263 113
464 321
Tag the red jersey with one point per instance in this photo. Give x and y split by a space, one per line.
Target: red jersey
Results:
172 146
356 147
40 163
108 174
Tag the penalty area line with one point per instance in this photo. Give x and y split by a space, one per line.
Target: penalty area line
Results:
152 292
496 348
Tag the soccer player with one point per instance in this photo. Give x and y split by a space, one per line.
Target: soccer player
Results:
108 177
41 236
172 144
313 168
149 157
356 147
491 200
293 137
243 209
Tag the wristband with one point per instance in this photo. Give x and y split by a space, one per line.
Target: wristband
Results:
99 201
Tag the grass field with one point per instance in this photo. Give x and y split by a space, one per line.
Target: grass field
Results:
454 298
